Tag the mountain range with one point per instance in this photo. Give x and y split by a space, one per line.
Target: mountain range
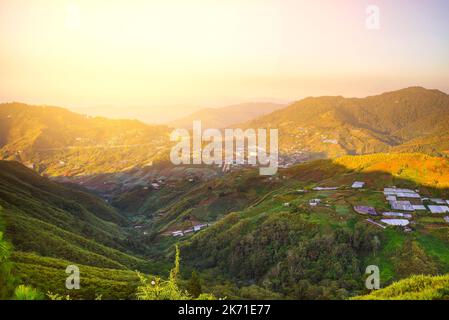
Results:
58 142
102 194
405 120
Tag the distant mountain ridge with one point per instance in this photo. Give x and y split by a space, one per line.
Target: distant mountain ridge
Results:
58 142
226 116
335 126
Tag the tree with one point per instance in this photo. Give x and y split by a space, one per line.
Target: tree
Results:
375 244
159 289
194 286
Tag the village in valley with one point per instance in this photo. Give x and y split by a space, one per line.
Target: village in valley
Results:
391 206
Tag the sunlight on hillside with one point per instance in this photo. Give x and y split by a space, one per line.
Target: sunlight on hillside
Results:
419 168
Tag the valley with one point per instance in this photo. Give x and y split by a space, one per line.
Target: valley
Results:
103 194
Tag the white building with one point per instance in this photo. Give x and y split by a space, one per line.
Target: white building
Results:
397 215
438 201
198 227
324 188
358 184
396 222
314 202
177 233
401 193
402 205
438 209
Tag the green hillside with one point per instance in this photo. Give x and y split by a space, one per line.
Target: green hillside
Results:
264 241
181 203
51 226
304 252
52 220
48 275
418 287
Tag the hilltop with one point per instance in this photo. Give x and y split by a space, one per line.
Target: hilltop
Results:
55 141
335 126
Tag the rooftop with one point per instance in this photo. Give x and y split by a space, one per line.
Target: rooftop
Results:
397 214
438 209
358 184
396 222
402 205
365 210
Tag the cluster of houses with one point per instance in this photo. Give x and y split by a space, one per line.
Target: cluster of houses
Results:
198 227
407 201
403 203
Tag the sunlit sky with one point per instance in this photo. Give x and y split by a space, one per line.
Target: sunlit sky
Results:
115 56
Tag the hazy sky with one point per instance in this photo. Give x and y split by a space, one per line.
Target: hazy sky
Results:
191 53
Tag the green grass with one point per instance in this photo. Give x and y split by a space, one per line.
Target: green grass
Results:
416 287
436 248
48 275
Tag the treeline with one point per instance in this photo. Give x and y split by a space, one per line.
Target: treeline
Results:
287 254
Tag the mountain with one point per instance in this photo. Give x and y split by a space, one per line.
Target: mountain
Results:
56 141
226 116
335 126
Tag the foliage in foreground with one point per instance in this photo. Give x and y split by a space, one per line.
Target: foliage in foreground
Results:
417 287
47 275
23 292
159 289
